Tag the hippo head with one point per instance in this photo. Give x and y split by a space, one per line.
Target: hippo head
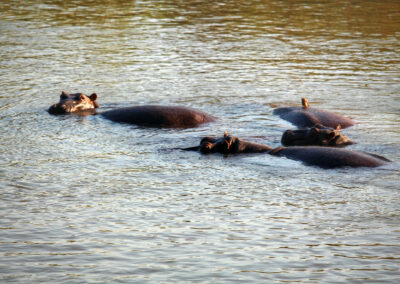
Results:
225 145
315 136
71 103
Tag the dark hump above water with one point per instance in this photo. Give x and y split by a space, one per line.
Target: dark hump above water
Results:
309 117
327 157
159 116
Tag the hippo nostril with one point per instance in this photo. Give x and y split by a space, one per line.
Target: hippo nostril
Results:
206 147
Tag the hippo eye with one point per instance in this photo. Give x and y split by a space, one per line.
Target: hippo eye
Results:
314 131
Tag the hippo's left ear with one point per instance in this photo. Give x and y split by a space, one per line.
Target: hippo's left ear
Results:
338 127
93 97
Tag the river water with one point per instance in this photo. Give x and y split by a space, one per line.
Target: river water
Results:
86 200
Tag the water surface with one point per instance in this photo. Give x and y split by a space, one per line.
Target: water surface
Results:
87 200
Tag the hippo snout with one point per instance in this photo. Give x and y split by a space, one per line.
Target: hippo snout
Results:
53 109
288 134
58 109
288 137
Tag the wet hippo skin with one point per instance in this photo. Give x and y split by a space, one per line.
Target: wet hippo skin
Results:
327 157
317 135
159 116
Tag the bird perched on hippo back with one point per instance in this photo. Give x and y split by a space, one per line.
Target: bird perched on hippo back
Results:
306 116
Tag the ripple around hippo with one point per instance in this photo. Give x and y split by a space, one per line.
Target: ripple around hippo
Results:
183 117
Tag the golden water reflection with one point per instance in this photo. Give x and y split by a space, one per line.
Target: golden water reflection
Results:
298 18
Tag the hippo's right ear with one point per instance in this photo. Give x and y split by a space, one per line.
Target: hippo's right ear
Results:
93 97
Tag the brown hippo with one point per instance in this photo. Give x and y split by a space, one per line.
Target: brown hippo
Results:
228 145
146 115
324 157
75 103
306 116
317 135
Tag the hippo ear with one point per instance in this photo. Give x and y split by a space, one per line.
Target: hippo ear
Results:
93 97
338 127
226 134
63 95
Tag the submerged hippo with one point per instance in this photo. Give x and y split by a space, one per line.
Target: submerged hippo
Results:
317 135
305 116
324 157
146 115
75 103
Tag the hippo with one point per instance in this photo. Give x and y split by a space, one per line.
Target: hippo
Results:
75 103
145 115
317 135
305 116
324 157
228 145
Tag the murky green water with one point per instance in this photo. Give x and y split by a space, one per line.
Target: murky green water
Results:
86 200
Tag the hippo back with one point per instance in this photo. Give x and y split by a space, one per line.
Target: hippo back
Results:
159 116
307 117
327 157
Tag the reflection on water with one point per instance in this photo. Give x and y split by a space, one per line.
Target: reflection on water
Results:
87 200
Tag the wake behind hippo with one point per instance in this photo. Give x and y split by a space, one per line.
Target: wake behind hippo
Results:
305 116
324 157
145 115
